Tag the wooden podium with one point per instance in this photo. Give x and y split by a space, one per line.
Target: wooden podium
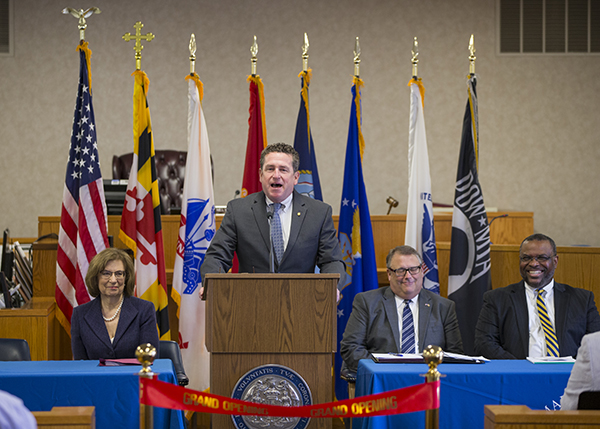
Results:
278 319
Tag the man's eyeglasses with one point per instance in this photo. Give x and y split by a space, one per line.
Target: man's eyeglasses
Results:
108 274
401 272
541 259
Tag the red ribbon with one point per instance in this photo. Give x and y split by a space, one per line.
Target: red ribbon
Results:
406 400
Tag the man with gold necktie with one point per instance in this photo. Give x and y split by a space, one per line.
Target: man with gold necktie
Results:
536 317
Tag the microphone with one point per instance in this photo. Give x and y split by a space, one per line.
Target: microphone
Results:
270 212
493 219
235 195
497 217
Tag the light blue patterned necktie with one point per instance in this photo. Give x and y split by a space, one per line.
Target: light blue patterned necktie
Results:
277 233
408 329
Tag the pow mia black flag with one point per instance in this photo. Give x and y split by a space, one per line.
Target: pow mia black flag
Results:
470 275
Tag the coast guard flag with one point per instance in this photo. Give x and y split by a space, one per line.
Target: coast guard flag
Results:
196 230
257 137
470 275
420 233
354 231
83 221
308 183
141 228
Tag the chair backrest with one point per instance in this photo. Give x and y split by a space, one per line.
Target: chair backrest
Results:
589 400
170 350
170 172
14 349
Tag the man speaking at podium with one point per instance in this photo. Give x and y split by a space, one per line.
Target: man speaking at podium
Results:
276 230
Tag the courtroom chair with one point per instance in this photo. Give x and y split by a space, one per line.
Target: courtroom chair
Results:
14 349
589 400
170 350
170 173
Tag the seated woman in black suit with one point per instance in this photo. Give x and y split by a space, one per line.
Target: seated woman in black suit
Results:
115 323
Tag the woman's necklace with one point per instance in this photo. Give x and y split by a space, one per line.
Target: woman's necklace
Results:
110 319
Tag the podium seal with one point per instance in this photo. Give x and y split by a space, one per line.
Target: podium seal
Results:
272 385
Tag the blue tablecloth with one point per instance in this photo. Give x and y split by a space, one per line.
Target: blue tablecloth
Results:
113 390
465 389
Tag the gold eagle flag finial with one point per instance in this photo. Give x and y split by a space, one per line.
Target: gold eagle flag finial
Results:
356 58
138 42
81 15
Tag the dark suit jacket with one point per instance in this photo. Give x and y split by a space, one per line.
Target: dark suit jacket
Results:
89 337
502 330
373 325
245 230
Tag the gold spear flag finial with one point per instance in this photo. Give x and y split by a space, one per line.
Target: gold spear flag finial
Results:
415 60
254 52
305 53
472 56
356 58
81 15
138 42
192 54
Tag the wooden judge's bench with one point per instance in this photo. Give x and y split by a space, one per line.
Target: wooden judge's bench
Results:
48 340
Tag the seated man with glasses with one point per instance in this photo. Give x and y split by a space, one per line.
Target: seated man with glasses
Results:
536 317
400 318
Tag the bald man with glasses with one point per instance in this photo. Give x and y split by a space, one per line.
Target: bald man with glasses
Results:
400 318
536 317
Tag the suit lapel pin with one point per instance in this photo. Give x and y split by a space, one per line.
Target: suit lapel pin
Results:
427 304
298 213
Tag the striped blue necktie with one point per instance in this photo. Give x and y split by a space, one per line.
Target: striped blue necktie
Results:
551 341
408 329
277 233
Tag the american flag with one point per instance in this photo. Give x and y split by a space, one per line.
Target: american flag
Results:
83 221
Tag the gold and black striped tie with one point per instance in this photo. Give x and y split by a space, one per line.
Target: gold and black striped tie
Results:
551 341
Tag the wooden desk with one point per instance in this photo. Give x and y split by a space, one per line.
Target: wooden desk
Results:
35 323
66 417
521 417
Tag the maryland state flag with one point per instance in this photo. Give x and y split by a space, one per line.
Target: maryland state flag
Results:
354 232
470 264
257 137
141 228
308 183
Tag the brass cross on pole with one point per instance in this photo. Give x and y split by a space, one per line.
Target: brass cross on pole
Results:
138 42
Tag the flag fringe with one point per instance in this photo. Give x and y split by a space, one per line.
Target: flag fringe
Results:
199 84
306 75
358 82
83 46
419 83
261 92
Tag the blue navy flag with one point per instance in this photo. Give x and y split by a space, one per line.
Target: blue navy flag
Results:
308 183
470 275
354 232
